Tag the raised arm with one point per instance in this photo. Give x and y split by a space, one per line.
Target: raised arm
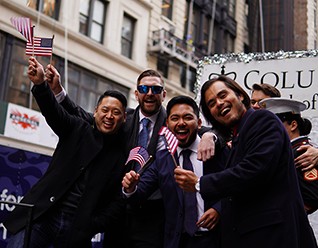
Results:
54 81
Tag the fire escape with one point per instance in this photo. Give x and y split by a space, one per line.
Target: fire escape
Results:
164 42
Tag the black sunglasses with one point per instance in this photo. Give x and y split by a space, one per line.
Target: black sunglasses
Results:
144 89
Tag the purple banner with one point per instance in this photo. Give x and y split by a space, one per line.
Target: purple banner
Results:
19 171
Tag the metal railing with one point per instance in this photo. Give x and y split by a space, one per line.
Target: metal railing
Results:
183 50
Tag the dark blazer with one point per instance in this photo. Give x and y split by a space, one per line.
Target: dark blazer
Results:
161 174
262 205
81 147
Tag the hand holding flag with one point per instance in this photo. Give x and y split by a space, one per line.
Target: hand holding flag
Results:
140 155
171 141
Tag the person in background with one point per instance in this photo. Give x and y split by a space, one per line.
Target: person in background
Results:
180 230
309 154
79 195
261 201
298 129
262 91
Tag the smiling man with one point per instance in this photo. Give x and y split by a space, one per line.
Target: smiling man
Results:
202 231
78 196
261 201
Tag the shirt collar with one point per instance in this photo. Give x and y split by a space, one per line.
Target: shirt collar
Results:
193 147
152 118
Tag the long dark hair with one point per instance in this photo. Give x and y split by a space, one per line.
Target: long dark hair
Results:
230 83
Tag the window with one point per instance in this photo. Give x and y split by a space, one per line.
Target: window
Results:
48 7
92 19
85 87
127 36
166 8
231 6
163 65
187 78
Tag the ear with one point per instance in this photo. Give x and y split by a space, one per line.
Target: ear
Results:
293 125
136 95
125 116
95 112
199 123
164 93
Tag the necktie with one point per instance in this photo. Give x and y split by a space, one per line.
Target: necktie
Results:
144 133
190 200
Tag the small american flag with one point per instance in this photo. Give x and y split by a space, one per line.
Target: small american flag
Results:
172 141
40 47
23 25
138 154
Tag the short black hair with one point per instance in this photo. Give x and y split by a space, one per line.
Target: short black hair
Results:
183 100
113 93
304 125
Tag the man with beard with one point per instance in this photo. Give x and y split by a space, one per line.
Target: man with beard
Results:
181 231
261 200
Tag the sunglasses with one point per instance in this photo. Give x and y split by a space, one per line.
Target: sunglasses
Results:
144 89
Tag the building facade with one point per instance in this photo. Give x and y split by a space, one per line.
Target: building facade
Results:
289 25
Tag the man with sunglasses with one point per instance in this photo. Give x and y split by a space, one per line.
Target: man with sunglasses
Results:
144 223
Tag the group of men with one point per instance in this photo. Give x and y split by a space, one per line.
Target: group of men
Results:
246 195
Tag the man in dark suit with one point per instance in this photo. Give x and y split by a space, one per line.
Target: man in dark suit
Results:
79 194
184 122
262 206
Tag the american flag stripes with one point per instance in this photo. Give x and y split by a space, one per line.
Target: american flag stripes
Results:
23 25
138 154
40 47
172 141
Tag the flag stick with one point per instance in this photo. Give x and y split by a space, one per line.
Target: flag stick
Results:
168 147
51 57
32 40
146 165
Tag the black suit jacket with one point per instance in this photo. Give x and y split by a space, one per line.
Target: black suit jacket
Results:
81 147
261 198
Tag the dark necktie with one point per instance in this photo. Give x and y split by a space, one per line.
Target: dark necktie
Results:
190 200
144 133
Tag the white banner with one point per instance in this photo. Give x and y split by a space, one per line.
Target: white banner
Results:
295 74
28 125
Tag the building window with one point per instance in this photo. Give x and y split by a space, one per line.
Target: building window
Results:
92 19
127 36
48 7
166 8
85 87
187 78
231 8
163 65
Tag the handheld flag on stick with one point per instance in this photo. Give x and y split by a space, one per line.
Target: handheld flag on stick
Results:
140 155
171 142
40 47
23 25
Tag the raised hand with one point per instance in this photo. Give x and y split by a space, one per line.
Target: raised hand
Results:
35 71
53 79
